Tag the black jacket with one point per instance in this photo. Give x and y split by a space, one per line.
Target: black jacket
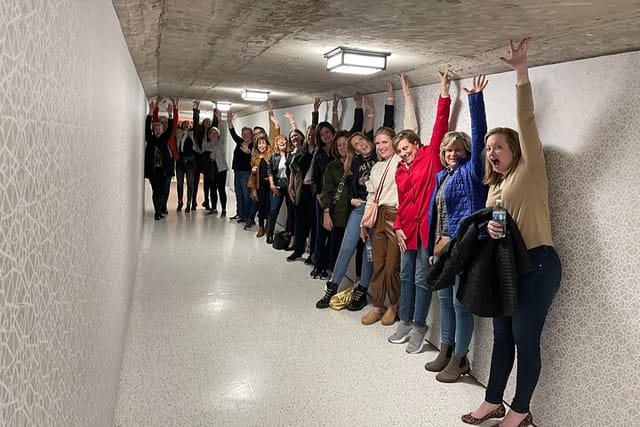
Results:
488 268
160 143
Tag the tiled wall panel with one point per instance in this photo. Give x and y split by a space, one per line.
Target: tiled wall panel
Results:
71 109
587 113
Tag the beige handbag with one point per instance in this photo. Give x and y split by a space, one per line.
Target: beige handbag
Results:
370 216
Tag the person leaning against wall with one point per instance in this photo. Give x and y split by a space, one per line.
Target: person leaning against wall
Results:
459 192
157 158
516 173
415 178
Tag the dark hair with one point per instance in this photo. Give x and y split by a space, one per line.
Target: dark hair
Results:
299 132
319 127
334 146
246 128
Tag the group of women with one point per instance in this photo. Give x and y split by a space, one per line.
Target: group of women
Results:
345 189
421 194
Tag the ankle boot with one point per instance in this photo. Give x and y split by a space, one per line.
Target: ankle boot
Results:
442 360
457 367
261 232
271 225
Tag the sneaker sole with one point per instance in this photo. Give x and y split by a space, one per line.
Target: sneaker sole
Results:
402 340
419 350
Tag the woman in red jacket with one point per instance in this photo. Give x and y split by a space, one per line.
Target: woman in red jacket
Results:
416 181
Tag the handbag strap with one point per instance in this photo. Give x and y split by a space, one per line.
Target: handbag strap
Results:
384 175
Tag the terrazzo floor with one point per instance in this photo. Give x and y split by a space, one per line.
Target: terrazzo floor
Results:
224 332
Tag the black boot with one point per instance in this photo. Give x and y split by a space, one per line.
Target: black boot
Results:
271 225
330 290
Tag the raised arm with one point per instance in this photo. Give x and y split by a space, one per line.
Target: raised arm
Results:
274 124
529 138
315 115
237 138
478 124
335 118
441 125
389 108
371 112
410 119
358 114
292 121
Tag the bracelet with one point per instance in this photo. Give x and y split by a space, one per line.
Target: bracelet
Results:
369 115
390 98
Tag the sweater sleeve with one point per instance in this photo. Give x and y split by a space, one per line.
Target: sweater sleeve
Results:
530 143
358 121
237 138
315 118
389 111
410 119
478 131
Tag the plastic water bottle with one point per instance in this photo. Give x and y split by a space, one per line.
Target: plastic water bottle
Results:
500 215
369 250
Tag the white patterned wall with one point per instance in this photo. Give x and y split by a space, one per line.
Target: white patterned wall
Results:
588 115
71 114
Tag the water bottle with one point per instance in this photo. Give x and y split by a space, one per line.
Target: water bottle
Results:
369 250
500 215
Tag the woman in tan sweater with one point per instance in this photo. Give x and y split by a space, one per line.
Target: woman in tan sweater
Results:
516 173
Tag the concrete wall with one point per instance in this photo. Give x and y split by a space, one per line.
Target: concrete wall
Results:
587 112
71 141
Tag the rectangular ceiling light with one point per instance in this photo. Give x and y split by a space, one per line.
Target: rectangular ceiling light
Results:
223 106
254 95
355 61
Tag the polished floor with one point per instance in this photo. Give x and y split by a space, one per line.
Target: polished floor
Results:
224 332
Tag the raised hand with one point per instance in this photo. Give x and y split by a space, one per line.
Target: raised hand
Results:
269 104
230 116
445 82
479 83
152 105
196 104
368 103
316 103
218 114
404 83
336 101
517 56
289 117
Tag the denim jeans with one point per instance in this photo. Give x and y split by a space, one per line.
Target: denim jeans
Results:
456 322
275 202
415 295
243 195
536 291
348 248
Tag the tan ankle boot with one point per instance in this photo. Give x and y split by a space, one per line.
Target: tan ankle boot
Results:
440 362
457 367
261 232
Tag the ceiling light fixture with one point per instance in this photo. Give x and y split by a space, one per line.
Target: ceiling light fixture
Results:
223 106
254 95
355 61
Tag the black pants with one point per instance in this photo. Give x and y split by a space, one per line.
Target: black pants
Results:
335 241
157 189
263 202
218 184
305 218
185 169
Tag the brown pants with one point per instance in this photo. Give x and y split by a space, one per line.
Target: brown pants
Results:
386 259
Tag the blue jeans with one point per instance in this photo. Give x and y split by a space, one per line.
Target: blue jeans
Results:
243 195
456 322
275 202
348 248
415 295
536 291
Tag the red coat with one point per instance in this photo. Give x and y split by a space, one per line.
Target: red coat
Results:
417 182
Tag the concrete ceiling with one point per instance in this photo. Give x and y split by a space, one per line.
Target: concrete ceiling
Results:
211 49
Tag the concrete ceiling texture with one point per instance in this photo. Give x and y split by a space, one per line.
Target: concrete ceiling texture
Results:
212 49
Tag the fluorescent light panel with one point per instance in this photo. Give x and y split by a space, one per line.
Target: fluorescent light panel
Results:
254 95
223 106
355 61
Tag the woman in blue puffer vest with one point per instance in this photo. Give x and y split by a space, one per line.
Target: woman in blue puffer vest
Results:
459 192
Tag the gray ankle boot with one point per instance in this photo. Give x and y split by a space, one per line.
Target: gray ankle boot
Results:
442 360
457 367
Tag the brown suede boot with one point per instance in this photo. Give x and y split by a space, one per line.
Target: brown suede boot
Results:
457 367
440 362
261 232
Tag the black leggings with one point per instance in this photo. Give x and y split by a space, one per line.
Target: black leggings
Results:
218 183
